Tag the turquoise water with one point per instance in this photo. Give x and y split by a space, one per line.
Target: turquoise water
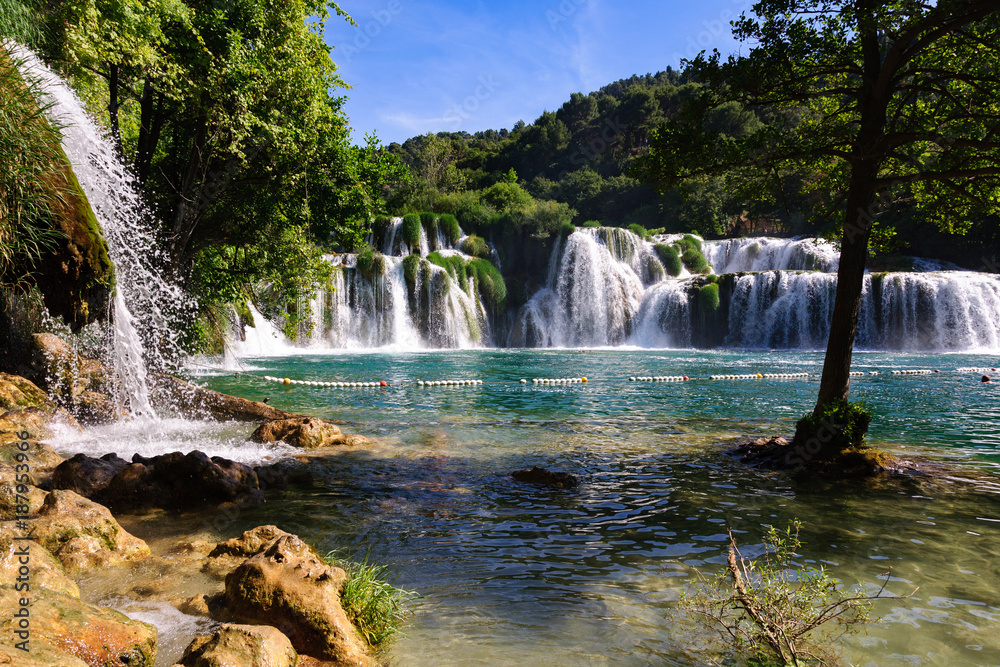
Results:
511 574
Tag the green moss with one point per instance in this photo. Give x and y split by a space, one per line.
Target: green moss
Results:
489 282
429 222
708 298
371 263
449 225
670 257
454 265
591 224
694 261
410 265
566 228
692 242
639 231
380 226
411 230
475 246
837 427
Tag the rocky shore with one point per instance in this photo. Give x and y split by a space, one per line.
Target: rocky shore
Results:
266 596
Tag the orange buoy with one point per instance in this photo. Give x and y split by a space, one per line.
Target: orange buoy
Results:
383 383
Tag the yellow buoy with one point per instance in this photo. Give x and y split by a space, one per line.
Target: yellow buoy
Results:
286 381
759 375
583 379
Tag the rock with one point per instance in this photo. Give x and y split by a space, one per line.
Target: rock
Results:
242 646
45 571
17 392
94 408
38 423
558 480
195 606
305 432
194 401
95 635
80 385
87 476
13 494
86 530
250 543
169 481
287 586
41 655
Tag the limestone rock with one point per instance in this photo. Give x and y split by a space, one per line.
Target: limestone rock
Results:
558 480
38 424
287 586
95 635
45 571
94 408
250 543
305 432
194 401
41 655
17 392
242 645
13 494
86 530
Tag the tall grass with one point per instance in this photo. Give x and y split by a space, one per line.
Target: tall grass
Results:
373 604
489 282
19 22
411 230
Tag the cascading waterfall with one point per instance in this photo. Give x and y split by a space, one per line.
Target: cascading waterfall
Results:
131 242
769 254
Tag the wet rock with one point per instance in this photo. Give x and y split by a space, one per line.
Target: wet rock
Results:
17 392
78 384
37 424
243 645
95 635
557 480
82 533
288 587
87 476
196 606
771 453
305 432
250 543
94 408
194 401
41 655
278 476
46 571
18 498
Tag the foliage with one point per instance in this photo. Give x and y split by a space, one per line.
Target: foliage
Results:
566 229
639 231
371 601
670 257
692 241
411 230
695 261
454 265
835 427
591 224
19 22
489 282
411 263
708 298
475 246
773 611
450 227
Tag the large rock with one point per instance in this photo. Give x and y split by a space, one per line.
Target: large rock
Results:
96 635
44 570
17 392
36 423
305 432
287 586
78 384
250 543
194 401
545 477
41 655
18 498
87 476
82 533
241 646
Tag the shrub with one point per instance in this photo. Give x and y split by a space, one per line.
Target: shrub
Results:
694 261
708 298
411 230
489 282
590 224
566 229
454 265
449 225
475 246
838 426
369 599
639 231
371 263
670 257
692 241
769 608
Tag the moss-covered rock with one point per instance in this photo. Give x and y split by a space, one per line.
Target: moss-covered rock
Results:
46 571
18 392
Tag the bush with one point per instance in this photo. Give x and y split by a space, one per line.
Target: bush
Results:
695 261
670 257
692 242
839 426
373 604
371 263
475 246
639 231
411 230
591 224
769 609
708 298
410 265
489 282
566 229
454 265
449 225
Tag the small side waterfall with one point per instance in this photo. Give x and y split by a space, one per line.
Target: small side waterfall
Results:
769 254
131 243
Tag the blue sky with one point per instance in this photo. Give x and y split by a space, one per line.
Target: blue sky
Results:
418 66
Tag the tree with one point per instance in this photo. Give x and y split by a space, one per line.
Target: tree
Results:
885 99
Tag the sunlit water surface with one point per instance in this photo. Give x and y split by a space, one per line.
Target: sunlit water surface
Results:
511 574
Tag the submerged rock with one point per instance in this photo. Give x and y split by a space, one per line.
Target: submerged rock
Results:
287 586
243 645
783 454
95 635
558 480
194 401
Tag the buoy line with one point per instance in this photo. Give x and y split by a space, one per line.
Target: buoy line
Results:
660 378
922 371
758 376
579 380
975 370
448 383
338 385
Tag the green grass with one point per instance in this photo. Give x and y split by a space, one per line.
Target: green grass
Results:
694 261
639 231
454 265
410 265
374 605
449 225
475 246
692 242
411 230
708 298
489 282
670 257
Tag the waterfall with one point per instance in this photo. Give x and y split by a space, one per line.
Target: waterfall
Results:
770 254
131 242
